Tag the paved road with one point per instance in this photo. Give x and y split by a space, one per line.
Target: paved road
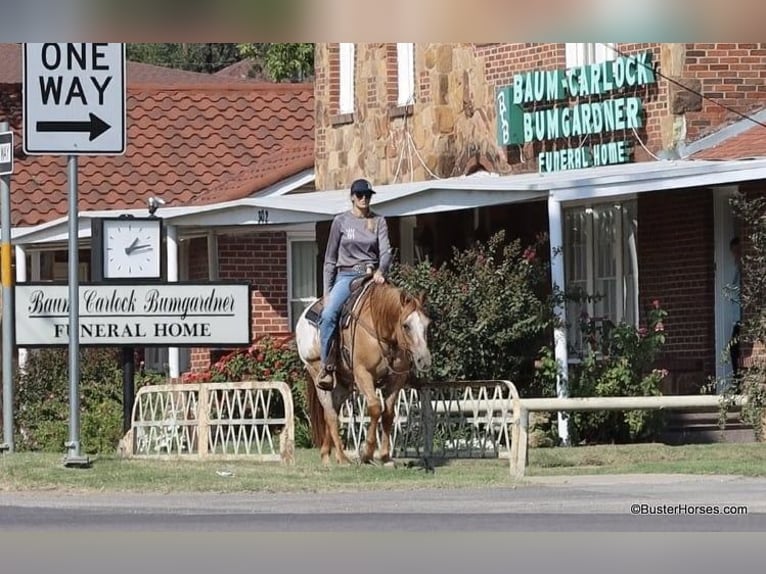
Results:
584 503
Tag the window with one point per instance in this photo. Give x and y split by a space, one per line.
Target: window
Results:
405 58
346 103
302 274
581 54
600 260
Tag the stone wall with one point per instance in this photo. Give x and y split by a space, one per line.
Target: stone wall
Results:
448 131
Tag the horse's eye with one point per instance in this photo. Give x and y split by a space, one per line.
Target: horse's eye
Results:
406 326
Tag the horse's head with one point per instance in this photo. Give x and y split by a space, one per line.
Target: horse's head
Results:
414 330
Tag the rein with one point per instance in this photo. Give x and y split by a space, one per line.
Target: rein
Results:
388 356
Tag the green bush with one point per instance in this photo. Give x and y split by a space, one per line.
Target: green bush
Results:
267 359
489 309
751 382
617 362
42 400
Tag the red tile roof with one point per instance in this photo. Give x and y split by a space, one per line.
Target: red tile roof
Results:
192 139
750 143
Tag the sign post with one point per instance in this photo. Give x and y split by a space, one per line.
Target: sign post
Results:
6 169
74 104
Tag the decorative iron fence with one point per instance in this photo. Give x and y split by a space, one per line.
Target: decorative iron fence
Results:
248 419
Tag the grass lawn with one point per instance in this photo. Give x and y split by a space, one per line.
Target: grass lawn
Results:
34 471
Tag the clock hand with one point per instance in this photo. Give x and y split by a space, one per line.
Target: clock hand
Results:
130 247
134 247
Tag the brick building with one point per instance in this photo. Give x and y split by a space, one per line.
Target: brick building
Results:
630 150
217 149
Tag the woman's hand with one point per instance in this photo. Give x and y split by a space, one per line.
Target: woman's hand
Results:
378 277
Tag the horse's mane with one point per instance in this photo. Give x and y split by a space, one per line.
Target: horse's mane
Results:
387 304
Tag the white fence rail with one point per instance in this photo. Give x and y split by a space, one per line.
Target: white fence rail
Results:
248 419
522 408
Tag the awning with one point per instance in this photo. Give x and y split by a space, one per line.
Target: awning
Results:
435 196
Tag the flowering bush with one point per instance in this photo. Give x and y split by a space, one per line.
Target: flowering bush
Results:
267 359
488 308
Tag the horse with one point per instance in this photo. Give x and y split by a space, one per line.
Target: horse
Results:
385 342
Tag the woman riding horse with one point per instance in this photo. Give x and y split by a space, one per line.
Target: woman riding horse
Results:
358 243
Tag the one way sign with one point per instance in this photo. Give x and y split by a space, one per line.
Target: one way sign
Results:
74 99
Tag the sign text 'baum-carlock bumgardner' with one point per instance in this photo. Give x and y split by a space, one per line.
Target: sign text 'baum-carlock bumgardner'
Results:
525 114
136 315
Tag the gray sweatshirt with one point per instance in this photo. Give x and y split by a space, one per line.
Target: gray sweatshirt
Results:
351 242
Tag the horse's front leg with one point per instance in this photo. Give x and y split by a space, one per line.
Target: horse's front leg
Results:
388 424
366 386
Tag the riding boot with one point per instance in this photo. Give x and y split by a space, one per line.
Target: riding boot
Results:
326 381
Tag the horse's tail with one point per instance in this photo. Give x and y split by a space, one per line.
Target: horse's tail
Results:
316 414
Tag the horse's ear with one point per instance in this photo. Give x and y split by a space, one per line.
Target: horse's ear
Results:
422 297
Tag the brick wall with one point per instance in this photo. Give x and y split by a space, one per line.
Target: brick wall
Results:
260 258
675 253
732 74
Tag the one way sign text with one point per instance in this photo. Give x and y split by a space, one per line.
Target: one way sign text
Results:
74 98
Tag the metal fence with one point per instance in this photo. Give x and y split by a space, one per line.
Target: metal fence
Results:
457 419
248 419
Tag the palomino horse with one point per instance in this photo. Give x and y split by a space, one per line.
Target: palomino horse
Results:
385 338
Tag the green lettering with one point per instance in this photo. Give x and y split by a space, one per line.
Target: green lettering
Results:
529 95
645 69
609 121
596 118
576 122
552 123
566 122
528 130
555 86
607 76
539 86
633 106
619 114
630 71
584 89
518 88
586 124
572 82
595 80
618 72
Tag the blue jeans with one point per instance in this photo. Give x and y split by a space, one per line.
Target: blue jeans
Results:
339 293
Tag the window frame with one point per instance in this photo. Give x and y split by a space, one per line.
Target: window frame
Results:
346 56
580 54
405 73
298 237
626 259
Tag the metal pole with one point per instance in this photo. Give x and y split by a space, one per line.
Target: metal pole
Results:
7 281
74 458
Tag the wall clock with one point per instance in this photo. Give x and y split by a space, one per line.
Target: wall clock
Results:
132 248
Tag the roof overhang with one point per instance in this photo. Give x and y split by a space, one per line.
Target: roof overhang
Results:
434 196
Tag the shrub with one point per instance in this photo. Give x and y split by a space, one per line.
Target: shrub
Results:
267 359
617 362
489 312
42 400
750 383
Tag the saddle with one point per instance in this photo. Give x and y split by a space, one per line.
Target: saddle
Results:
359 287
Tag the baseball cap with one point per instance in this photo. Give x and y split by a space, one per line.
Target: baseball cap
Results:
361 186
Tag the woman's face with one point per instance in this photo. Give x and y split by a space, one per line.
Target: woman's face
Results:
361 200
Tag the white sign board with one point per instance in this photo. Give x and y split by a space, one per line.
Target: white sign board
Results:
165 315
74 99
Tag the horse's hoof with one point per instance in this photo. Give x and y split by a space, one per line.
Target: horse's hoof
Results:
389 464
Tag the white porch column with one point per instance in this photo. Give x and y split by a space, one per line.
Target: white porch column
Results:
21 277
556 233
174 359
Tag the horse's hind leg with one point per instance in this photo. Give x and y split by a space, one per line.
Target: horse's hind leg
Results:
374 409
331 431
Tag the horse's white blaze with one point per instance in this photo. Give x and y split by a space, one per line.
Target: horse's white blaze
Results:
418 325
307 339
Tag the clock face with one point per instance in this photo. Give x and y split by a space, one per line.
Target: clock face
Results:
132 248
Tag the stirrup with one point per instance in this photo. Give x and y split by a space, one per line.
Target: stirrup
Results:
326 381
